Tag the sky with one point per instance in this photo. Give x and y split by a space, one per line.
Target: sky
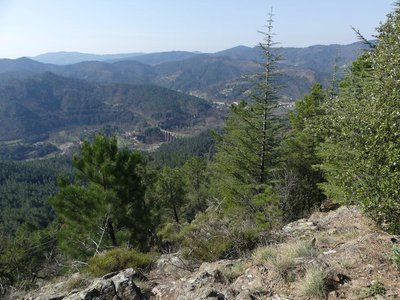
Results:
32 27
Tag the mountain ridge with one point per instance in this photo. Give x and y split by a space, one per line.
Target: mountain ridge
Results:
67 57
72 57
218 77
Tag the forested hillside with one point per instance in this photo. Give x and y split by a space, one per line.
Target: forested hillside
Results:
55 110
210 199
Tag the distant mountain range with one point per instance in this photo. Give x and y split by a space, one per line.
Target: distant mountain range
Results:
69 58
222 76
45 105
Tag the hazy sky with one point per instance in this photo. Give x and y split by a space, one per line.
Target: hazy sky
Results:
31 27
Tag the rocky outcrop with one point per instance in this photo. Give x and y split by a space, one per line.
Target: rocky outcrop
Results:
347 244
353 251
114 286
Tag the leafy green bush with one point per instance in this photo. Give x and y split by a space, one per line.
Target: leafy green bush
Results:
168 231
360 153
118 259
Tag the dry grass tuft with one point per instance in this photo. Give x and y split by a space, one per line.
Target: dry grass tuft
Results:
313 284
284 258
77 281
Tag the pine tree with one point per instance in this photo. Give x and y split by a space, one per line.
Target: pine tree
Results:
170 193
196 181
105 201
299 177
246 153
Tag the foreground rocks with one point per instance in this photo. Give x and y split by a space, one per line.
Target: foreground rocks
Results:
114 286
347 244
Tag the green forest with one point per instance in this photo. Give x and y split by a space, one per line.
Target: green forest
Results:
217 195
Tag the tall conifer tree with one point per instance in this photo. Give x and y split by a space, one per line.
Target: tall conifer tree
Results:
246 154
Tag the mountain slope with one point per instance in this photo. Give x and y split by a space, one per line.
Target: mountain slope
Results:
125 72
24 64
47 103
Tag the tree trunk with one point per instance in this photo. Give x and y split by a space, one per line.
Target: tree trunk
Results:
111 232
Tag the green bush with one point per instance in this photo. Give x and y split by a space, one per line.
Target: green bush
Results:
396 256
361 150
233 271
169 237
118 259
212 236
376 288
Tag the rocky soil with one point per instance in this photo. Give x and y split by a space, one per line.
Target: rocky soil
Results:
355 256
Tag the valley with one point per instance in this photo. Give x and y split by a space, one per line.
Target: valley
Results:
46 109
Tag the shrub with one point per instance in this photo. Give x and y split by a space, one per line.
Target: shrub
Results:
118 259
396 256
212 236
169 237
304 249
376 288
313 284
234 271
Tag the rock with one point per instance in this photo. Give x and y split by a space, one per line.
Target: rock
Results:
113 286
124 286
328 205
300 227
215 294
207 282
333 295
278 297
5 287
331 251
117 287
172 266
